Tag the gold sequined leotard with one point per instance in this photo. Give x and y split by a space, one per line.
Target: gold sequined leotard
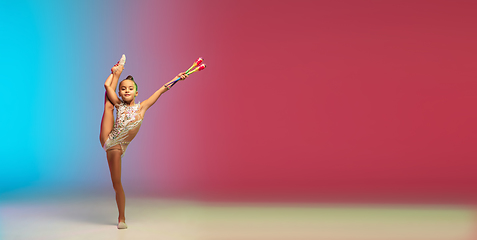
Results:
128 122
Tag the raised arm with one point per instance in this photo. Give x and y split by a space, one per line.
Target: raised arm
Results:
111 83
152 99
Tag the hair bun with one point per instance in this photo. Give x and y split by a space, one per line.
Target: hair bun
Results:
130 77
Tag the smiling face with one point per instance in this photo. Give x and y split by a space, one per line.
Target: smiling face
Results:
127 90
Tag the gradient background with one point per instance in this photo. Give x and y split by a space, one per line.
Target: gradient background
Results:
301 101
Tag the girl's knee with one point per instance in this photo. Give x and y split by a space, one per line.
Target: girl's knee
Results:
117 185
108 106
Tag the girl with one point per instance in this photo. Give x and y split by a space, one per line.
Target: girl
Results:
115 138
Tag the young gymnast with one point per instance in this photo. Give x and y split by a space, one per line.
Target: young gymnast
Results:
115 137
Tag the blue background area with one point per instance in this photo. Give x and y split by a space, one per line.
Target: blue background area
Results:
52 54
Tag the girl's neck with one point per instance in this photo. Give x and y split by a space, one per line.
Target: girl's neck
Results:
130 103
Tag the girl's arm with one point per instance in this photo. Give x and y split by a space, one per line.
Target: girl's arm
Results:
116 70
111 83
152 99
113 78
111 93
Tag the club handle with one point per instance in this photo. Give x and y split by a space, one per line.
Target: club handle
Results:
175 81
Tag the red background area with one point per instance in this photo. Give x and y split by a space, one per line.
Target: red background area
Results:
309 100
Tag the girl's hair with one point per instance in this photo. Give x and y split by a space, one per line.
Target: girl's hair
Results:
132 79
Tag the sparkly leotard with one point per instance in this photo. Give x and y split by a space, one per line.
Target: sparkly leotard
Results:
128 122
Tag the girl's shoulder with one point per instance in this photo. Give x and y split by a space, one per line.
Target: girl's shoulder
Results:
139 106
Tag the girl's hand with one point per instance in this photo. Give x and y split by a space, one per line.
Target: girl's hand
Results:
182 76
117 67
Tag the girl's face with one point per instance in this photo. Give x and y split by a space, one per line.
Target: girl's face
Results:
127 90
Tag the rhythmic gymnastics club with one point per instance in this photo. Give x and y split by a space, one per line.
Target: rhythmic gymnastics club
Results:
199 68
196 63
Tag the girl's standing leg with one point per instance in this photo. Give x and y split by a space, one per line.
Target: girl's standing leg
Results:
114 161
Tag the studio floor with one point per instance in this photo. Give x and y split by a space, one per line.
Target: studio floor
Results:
94 217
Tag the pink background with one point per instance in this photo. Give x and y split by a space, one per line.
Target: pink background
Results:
308 100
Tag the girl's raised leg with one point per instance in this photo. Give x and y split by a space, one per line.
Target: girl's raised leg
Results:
107 121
